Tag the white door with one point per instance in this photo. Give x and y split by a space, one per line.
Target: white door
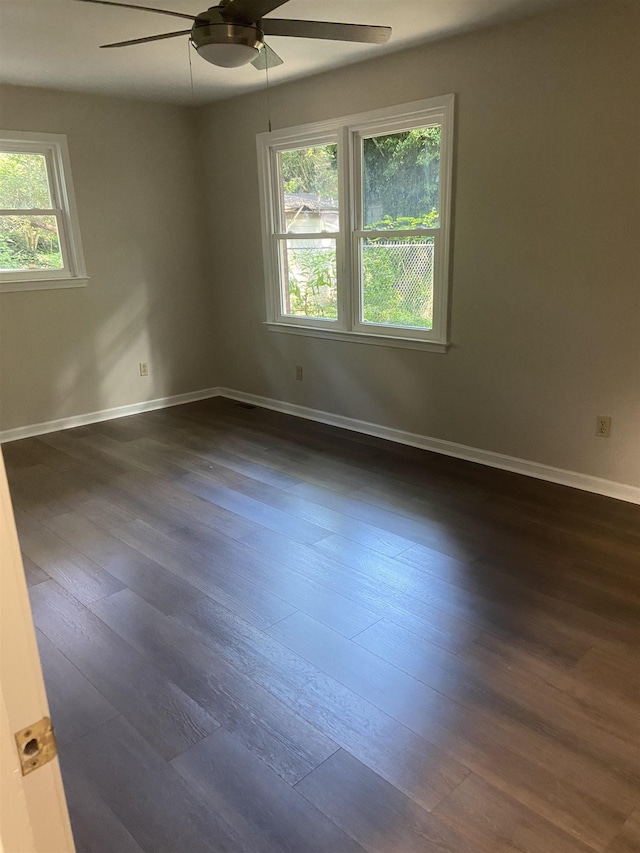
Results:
33 809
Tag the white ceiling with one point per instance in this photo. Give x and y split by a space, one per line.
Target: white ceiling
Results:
54 43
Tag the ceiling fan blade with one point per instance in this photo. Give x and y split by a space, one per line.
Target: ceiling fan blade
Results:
144 8
148 38
325 30
250 11
267 58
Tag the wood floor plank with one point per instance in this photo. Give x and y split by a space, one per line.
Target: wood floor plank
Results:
536 626
609 735
366 590
151 580
418 530
200 443
494 821
169 719
275 494
580 795
80 576
96 829
267 516
374 813
32 493
628 840
302 593
95 460
148 797
265 725
76 705
268 814
174 506
32 572
614 713
25 453
619 671
207 573
400 756
255 582
544 584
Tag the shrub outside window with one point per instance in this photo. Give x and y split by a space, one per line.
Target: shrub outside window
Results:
356 220
40 243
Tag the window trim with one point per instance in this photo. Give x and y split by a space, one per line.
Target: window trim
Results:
347 131
54 147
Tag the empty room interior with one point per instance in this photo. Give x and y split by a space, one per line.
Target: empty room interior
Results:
320 415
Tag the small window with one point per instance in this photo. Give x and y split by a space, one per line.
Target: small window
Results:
39 234
356 225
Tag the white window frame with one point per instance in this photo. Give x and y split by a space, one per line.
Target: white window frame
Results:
54 148
348 132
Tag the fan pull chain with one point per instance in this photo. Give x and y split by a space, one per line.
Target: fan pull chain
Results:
266 68
190 70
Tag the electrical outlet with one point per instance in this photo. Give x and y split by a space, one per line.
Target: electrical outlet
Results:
144 368
603 426
299 373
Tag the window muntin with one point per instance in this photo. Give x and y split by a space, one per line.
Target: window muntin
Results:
39 234
376 267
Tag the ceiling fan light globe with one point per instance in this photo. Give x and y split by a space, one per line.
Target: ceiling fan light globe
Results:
227 45
228 55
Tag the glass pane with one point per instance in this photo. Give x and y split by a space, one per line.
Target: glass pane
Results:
397 281
309 278
310 189
23 181
29 243
401 178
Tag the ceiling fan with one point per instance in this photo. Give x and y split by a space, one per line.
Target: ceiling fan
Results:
232 33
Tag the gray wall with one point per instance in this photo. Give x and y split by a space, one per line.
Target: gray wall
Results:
67 352
545 285
545 290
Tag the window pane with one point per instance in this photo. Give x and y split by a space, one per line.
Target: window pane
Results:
309 278
29 243
401 177
23 181
309 189
397 281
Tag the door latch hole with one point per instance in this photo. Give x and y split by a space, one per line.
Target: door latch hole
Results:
31 747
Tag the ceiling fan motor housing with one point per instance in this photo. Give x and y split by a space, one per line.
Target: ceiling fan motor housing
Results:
226 44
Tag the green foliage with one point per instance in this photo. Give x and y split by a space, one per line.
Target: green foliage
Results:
23 181
311 170
401 174
26 241
406 223
396 290
313 282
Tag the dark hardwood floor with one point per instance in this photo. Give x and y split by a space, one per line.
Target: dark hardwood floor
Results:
261 634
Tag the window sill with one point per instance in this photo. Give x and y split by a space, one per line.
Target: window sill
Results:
358 337
42 284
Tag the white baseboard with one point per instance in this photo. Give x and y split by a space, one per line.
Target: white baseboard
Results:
587 483
105 415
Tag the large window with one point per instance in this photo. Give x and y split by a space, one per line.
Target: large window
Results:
39 233
356 217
